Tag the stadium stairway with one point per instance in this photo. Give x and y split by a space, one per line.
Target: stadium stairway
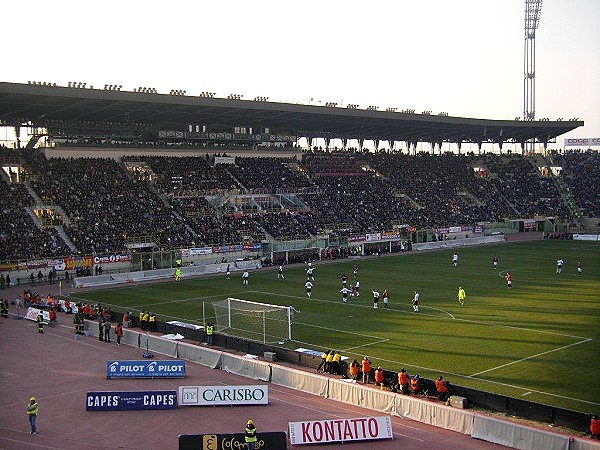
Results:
61 232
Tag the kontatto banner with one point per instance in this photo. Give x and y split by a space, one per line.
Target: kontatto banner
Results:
340 430
223 395
127 401
145 369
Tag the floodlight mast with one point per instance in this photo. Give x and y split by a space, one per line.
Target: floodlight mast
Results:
533 10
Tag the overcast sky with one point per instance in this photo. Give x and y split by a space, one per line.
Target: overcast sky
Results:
464 57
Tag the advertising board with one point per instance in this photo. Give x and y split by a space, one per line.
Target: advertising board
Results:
223 395
340 430
145 369
127 401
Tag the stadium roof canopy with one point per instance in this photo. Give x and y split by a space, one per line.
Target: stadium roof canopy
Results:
42 106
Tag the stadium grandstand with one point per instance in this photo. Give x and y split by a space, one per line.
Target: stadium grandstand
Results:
108 172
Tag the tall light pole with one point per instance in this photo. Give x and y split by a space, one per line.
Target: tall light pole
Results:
533 9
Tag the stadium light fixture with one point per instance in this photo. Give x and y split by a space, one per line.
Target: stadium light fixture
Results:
352 106
391 109
372 108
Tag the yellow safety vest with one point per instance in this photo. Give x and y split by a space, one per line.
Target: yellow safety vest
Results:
250 435
32 410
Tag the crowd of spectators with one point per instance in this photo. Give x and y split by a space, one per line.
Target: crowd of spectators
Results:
525 188
105 206
20 237
342 193
581 174
185 174
267 174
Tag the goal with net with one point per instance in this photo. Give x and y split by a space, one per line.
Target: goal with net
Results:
252 320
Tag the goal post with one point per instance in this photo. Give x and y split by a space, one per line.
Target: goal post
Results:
261 322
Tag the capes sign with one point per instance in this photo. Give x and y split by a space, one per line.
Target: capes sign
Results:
145 369
126 401
340 430
265 441
223 395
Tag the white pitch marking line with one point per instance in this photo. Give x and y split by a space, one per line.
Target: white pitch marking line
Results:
531 357
365 345
340 331
526 393
437 309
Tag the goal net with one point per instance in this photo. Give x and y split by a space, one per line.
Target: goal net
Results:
252 320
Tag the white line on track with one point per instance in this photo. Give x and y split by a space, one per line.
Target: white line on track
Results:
531 357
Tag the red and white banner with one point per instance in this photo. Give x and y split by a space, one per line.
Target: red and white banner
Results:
32 314
340 430
578 142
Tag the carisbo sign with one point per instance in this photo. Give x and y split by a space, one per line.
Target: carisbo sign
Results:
266 441
223 395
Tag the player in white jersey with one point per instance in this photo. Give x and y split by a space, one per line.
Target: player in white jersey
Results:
415 302
455 260
357 288
345 291
559 265
280 272
376 296
309 273
245 277
309 287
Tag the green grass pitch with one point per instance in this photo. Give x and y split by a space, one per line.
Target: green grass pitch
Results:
539 341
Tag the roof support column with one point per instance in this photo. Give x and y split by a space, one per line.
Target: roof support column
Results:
17 133
344 143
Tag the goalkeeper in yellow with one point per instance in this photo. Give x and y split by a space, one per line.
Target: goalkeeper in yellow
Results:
462 295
